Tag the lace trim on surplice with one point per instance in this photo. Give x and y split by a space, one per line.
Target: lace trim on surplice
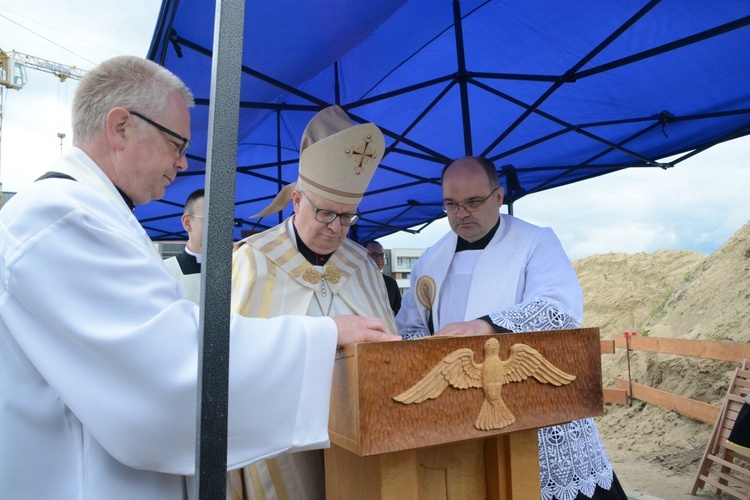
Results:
536 315
571 456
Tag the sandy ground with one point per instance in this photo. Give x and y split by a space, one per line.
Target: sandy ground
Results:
656 452
647 481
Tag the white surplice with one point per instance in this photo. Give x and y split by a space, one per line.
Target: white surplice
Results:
190 283
525 282
99 355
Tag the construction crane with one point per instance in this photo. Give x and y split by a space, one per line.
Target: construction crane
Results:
15 64
13 76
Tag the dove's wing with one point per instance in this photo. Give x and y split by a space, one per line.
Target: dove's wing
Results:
457 369
525 362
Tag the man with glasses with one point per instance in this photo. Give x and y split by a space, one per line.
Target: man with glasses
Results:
99 349
181 143
186 267
307 266
495 273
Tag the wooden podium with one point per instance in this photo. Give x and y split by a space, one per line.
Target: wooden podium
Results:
384 449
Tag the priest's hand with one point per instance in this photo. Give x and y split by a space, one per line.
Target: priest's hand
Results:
356 329
466 328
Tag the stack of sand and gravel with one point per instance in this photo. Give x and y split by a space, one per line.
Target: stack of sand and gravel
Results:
669 293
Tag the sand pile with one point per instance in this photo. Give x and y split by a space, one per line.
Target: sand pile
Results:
677 294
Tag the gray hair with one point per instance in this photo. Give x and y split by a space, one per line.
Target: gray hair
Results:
129 82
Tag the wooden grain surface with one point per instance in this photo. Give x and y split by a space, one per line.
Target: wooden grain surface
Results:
710 349
367 421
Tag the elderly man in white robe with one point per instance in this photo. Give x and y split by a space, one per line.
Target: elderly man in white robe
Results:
98 345
495 273
306 265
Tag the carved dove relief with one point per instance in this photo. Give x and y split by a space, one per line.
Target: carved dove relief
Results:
458 369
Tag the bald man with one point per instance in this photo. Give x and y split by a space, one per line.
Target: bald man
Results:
494 273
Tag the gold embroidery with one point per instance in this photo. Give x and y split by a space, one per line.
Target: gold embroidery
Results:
255 481
328 190
362 154
277 478
311 275
332 274
268 286
426 290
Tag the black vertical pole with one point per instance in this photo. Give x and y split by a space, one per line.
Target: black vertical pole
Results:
213 363
463 77
279 185
336 84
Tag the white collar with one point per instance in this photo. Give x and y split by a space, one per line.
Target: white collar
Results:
196 255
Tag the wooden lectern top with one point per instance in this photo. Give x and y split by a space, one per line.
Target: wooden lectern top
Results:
366 419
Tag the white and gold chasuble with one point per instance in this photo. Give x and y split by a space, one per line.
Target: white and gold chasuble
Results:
270 277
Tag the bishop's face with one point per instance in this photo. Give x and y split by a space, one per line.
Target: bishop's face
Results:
320 237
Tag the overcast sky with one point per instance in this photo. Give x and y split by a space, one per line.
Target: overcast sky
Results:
81 37
698 205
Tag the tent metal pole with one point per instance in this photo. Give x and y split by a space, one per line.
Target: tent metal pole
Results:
279 159
462 77
221 161
336 84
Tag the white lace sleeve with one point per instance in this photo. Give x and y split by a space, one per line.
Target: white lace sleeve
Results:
414 333
539 314
572 458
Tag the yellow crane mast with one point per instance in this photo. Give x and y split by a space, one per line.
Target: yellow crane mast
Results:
13 76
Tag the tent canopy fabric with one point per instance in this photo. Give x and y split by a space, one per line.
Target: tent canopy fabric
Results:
552 92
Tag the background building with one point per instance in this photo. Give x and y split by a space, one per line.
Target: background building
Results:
398 264
169 248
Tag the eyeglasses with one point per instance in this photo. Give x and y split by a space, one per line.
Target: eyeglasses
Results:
328 216
376 255
182 149
451 208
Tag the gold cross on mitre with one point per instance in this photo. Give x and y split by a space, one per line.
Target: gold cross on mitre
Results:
364 153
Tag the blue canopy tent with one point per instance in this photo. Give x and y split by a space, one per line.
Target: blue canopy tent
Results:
552 92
